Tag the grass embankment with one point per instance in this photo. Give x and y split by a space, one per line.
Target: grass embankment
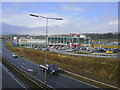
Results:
82 52
106 46
107 40
101 69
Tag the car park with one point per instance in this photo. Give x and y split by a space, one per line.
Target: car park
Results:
14 55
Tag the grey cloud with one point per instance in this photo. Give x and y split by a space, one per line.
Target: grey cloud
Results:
6 28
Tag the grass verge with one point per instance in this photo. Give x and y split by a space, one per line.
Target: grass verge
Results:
106 46
82 52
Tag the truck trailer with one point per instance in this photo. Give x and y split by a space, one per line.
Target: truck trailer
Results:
51 68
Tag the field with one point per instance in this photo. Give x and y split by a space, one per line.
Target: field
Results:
101 69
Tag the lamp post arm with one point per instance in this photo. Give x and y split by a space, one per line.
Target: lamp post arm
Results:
43 17
56 18
34 15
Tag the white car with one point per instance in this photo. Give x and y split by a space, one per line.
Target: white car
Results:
30 70
14 55
61 48
69 50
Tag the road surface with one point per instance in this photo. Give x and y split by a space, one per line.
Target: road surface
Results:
11 81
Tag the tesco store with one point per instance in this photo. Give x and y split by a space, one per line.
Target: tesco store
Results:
73 40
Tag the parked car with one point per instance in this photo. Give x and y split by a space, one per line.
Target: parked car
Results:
88 48
61 48
14 55
115 50
52 47
35 48
83 48
69 50
101 50
39 48
56 47
109 52
75 49
45 49
94 50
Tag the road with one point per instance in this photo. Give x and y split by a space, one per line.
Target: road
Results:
56 81
9 80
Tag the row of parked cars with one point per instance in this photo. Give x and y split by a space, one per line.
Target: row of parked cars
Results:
58 47
106 50
90 49
40 48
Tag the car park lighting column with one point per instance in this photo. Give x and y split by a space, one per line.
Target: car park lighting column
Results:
47 18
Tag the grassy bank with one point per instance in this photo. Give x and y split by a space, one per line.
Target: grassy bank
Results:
106 46
108 40
82 52
101 69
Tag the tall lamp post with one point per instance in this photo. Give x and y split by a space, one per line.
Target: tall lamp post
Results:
47 18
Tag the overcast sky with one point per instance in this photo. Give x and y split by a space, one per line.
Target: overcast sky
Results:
78 17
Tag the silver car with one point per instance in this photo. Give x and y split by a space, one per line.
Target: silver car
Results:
14 55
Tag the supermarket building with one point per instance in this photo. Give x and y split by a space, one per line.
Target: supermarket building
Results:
73 40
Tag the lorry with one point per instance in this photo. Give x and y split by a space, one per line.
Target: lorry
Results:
51 68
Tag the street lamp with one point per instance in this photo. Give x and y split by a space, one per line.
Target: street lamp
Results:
47 18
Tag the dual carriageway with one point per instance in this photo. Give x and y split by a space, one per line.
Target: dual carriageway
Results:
56 81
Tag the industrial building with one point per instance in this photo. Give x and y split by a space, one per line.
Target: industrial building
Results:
73 40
